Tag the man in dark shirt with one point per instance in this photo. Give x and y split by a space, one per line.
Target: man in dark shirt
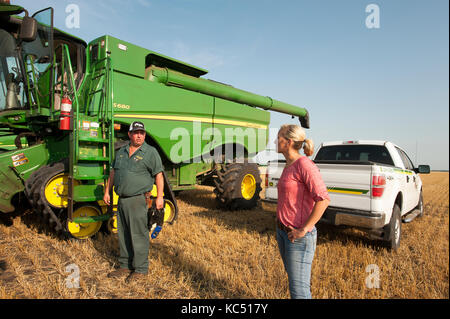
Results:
135 169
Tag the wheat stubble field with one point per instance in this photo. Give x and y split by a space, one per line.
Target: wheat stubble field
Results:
210 253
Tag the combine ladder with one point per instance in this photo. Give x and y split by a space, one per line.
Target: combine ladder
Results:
92 142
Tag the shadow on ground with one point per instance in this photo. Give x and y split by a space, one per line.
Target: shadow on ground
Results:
262 219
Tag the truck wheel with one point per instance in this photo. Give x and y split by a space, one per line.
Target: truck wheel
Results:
111 225
420 204
393 229
238 186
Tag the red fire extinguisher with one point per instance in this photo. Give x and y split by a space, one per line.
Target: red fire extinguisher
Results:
65 115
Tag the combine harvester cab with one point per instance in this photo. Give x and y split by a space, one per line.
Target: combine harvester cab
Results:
66 106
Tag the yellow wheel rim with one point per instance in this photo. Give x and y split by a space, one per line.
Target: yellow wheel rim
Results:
84 230
112 224
248 186
154 191
169 211
56 190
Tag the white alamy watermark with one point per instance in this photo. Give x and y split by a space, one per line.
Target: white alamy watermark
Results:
214 144
73 17
373 279
373 19
73 280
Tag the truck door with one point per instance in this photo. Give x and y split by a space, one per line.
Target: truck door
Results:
411 195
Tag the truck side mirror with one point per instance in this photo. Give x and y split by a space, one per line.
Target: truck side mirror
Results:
28 29
423 169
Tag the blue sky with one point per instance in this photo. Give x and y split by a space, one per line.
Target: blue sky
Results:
387 83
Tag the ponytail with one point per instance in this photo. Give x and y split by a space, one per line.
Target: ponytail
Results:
308 147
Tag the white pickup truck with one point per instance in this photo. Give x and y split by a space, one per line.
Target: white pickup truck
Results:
373 185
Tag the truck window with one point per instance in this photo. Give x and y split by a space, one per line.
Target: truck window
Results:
359 153
405 159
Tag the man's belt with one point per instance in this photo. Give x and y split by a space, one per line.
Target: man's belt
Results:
148 197
130 196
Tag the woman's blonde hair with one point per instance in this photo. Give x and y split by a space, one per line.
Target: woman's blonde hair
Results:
297 134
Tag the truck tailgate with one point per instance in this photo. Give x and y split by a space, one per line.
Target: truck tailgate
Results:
274 171
348 185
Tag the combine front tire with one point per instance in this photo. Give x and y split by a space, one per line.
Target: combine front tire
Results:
47 191
56 190
238 186
35 188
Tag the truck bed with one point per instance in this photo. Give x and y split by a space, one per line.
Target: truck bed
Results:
348 183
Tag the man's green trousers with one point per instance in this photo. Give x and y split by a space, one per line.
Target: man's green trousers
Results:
133 233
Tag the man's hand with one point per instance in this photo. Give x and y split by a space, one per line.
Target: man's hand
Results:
106 198
159 202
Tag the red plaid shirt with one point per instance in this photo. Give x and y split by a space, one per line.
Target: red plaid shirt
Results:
299 187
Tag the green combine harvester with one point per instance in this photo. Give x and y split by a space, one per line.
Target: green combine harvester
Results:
66 106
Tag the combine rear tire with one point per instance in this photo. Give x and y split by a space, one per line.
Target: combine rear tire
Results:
84 230
238 186
169 212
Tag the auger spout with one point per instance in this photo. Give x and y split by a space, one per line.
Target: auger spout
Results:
216 89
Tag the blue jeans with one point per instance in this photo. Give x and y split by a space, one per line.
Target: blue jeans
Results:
297 259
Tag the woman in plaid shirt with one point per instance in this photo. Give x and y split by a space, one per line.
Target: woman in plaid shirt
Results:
302 199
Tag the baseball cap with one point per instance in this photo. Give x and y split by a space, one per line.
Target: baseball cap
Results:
137 126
